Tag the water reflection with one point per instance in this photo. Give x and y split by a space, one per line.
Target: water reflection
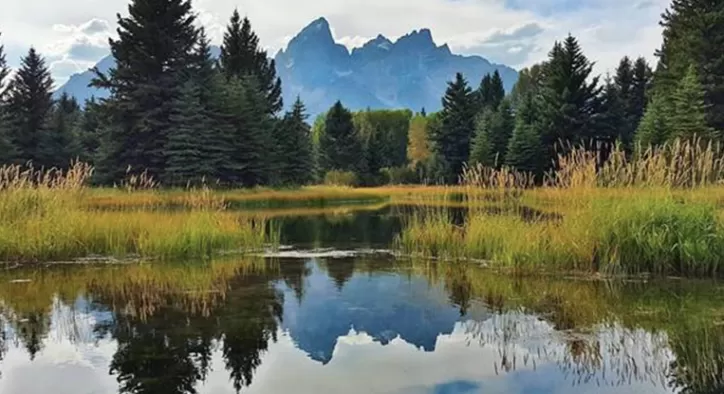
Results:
351 325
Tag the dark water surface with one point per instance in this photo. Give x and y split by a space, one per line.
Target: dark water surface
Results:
351 323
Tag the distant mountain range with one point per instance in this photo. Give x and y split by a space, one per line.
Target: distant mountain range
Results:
410 72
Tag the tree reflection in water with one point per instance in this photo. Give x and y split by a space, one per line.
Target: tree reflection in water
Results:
169 320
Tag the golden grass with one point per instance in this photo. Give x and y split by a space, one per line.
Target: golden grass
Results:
658 212
45 216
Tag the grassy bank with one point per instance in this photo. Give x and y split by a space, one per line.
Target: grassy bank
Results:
46 216
655 213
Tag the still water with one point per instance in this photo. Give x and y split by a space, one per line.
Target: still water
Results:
331 315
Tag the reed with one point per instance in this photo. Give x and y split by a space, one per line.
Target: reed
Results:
44 216
656 211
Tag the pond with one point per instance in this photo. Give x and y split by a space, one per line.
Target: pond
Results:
331 312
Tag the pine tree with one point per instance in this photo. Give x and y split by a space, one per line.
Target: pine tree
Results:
613 123
452 140
642 79
491 92
4 72
294 149
89 131
481 150
8 151
500 129
340 146
59 144
29 107
186 163
654 129
242 57
525 150
569 103
153 60
688 120
694 32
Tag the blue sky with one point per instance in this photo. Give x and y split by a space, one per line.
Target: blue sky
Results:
73 34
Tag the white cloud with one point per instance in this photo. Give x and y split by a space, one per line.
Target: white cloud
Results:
513 32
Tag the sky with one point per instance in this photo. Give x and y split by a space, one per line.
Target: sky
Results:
73 34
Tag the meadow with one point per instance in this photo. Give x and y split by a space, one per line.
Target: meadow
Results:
654 212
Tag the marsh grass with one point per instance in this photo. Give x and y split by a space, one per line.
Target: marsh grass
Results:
657 211
44 216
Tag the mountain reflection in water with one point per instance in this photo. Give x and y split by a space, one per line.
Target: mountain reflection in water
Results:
351 325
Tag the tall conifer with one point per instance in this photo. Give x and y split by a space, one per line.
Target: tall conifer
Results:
30 106
153 60
452 140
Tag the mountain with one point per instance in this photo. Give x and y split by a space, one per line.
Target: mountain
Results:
77 85
411 72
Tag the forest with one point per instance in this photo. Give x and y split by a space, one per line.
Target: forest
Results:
182 118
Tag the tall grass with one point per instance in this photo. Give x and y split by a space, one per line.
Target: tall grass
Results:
44 216
654 211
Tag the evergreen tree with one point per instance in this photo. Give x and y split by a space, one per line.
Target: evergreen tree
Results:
153 60
500 129
642 79
694 32
481 151
243 132
4 72
185 159
525 150
30 105
654 129
613 123
59 143
340 146
452 140
294 150
241 57
89 131
8 151
688 119
491 92
569 102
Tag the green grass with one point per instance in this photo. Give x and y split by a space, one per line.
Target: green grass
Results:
50 220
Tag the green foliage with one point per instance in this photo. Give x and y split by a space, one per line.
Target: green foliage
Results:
8 150
568 101
242 57
613 124
341 148
452 139
530 80
243 133
30 106
186 159
89 131
482 151
145 86
59 145
688 119
694 32
340 178
295 164
655 128
525 150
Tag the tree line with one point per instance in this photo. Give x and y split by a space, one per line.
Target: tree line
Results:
185 118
